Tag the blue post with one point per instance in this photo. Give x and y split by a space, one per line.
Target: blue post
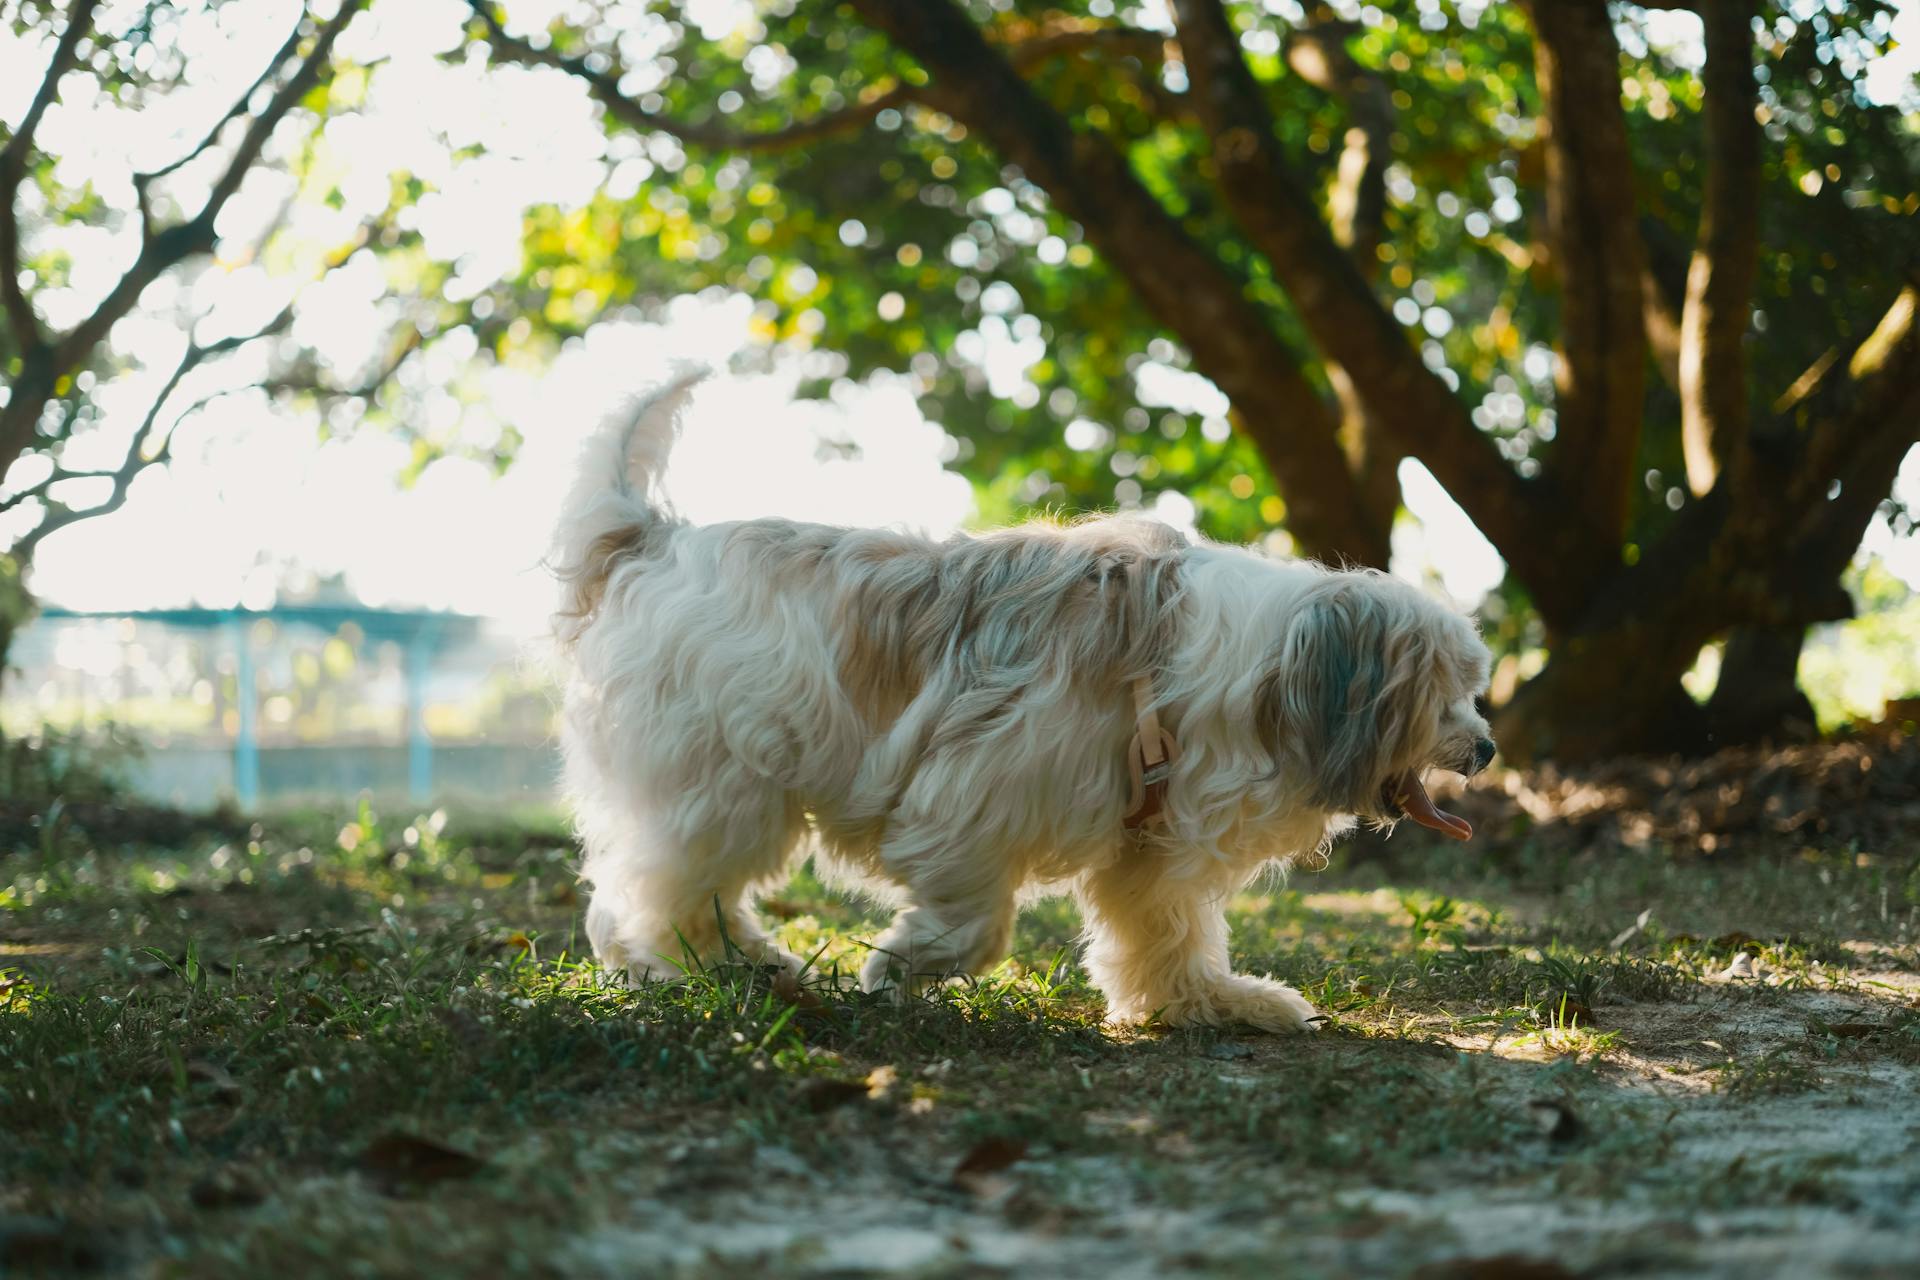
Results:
419 744
246 743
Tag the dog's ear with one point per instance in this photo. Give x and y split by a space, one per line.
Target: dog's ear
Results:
1325 713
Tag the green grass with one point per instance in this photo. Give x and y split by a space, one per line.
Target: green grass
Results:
220 1054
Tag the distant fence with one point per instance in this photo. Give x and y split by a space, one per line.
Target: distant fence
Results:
298 702
495 775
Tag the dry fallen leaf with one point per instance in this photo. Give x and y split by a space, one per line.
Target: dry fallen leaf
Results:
213 1074
788 988
463 1026
227 1188
1571 1013
824 1094
1499 1266
1854 1030
1742 967
881 1082
989 1155
1556 1120
402 1160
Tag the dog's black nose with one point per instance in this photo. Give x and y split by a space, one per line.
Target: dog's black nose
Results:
1482 753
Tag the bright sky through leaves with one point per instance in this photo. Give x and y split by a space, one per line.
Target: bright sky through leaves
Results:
255 501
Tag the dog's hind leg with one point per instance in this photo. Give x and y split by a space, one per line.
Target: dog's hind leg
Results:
674 891
1157 948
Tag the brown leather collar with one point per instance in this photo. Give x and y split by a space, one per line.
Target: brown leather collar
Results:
1150 757
1150 753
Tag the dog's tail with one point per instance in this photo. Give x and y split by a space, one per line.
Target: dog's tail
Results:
615 503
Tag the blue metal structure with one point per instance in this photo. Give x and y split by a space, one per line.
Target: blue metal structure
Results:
420 632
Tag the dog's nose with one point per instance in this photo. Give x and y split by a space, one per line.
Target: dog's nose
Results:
1482 753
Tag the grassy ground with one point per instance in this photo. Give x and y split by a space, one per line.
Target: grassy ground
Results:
350 1045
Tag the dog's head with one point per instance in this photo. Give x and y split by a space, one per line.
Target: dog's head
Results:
1371 684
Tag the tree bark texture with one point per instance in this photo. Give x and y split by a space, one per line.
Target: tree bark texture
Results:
1758 697
1765 554
1356 212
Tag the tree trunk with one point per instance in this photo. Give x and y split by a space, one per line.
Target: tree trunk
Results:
1599 704
1408 402
1596 699
1758 697
1593 228
1714 418
1760 557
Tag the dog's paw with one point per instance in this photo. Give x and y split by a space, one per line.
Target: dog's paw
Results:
1237 1000
884 974
1264 1003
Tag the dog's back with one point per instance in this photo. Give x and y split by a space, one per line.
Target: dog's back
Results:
730 681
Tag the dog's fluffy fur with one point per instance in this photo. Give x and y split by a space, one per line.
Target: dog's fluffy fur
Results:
946 724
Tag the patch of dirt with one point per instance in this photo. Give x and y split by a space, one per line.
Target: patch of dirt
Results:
1814 1181
1819 1179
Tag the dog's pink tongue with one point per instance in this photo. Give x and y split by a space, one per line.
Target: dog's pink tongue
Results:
1411 795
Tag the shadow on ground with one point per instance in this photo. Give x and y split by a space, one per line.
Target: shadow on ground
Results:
336 1042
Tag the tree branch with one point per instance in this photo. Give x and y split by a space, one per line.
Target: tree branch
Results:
60 517
150 445
160 250
1592 225
1180 283
1765 548
167 248
1357 207
13 168
142 452
1858 416
606 87
79 22
876 98
1714 416
367 387
1347 321
143 181
1663 295
1317 53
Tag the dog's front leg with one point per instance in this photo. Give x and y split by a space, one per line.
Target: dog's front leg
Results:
959 917
1157 948
925 944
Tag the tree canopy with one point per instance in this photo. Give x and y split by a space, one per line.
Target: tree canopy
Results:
1635 284
1638 291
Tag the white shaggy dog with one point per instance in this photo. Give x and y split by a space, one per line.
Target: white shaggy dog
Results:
948 724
